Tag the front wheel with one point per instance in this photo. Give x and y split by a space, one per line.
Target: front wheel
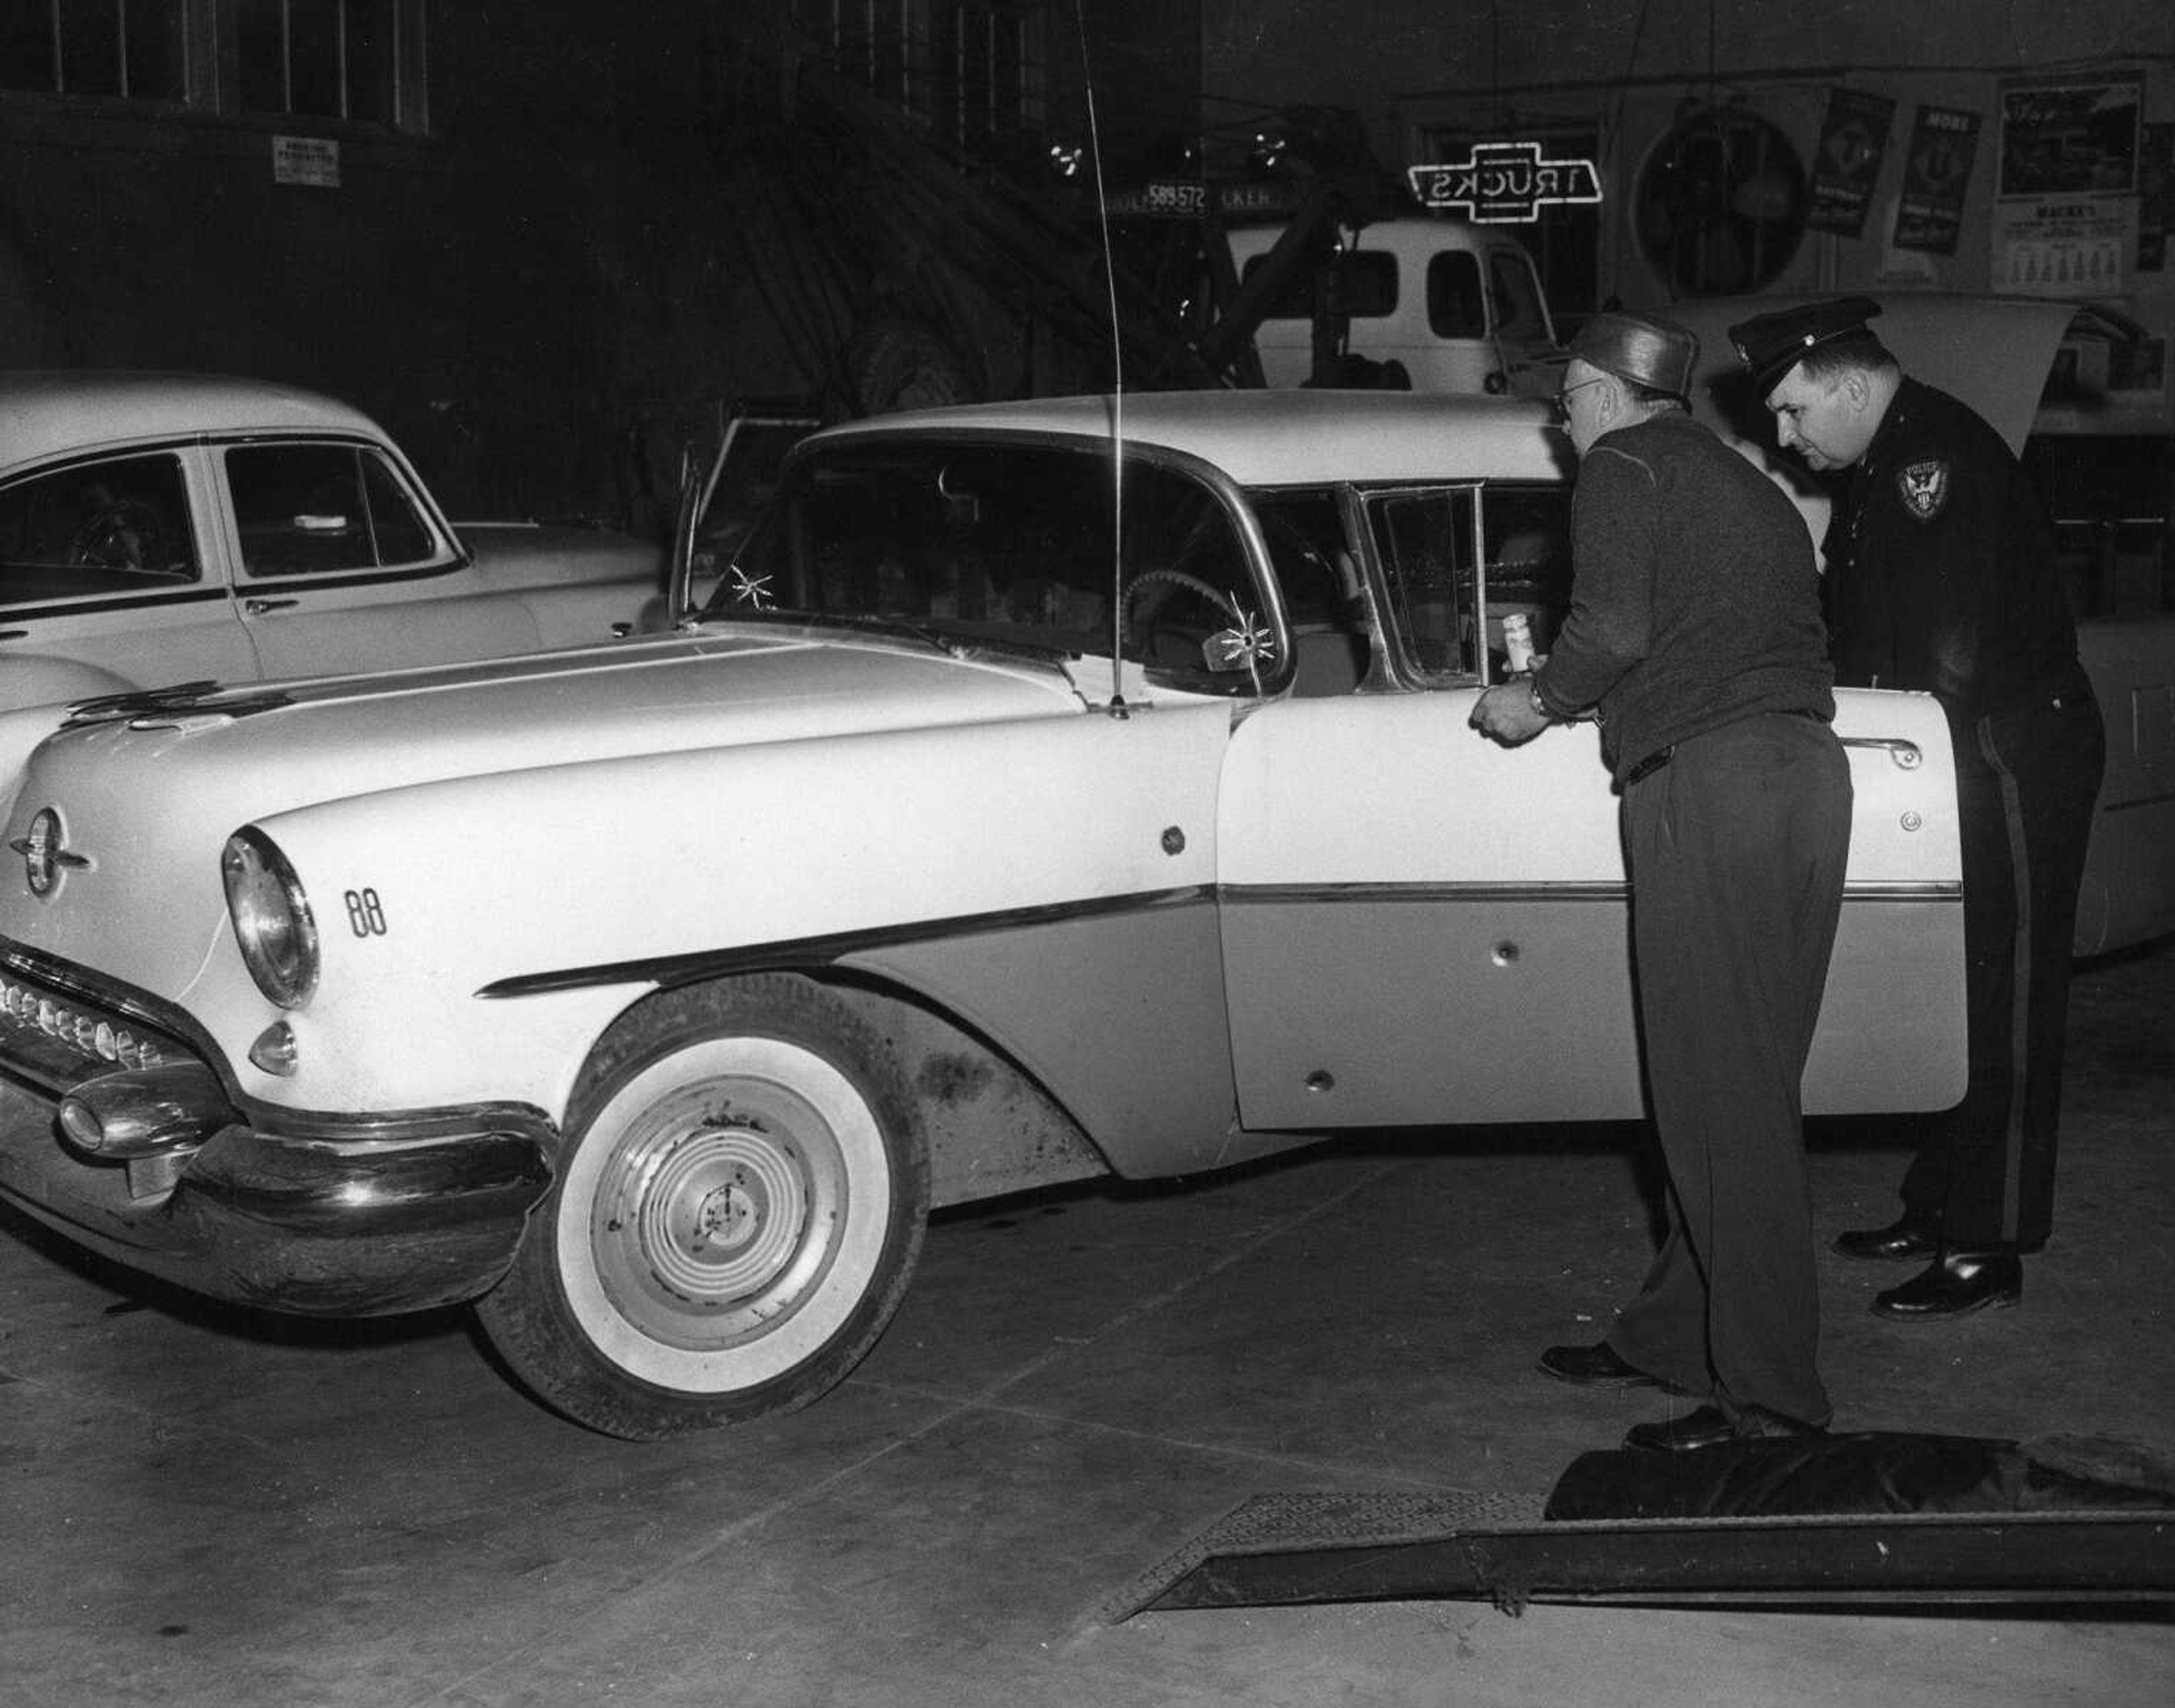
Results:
737 1207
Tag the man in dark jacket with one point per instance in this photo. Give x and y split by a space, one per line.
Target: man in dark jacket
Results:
1941 576
1694 634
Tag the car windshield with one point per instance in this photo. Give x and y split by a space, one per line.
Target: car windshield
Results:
1010 547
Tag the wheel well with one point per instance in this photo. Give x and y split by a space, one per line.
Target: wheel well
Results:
991 1128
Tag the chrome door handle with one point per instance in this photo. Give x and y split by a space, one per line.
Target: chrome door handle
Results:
257 607
1906 754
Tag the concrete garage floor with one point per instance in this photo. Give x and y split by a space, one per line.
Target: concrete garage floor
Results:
199 1508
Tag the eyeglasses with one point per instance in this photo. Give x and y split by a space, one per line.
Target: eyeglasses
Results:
1562 398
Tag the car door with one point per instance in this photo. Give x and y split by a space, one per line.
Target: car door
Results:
1420 926
108 581
342 565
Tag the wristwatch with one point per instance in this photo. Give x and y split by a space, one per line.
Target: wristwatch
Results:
1533 694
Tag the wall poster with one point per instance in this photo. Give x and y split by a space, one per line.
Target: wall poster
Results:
1853 139
2065 209
2155 198
1936 173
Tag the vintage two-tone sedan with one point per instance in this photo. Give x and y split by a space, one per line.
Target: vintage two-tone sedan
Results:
1047 789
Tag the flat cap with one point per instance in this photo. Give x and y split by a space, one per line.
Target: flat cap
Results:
1641 347
1771 344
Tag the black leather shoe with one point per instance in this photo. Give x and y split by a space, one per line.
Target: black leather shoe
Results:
1955 1282
1596 1366
1910 1236
1705 1426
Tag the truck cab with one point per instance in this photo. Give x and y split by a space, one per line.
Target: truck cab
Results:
1456 307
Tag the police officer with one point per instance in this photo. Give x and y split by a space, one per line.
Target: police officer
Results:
1941 576
1695 632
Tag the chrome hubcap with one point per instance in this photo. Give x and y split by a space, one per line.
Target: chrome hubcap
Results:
720 1211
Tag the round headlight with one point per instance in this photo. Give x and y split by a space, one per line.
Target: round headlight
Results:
271 915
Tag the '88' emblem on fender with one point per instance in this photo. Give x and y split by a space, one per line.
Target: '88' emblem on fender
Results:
366 913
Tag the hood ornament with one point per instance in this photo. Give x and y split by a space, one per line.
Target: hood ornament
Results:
157 708
44 852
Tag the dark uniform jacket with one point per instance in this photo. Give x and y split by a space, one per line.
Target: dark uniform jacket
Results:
1967 601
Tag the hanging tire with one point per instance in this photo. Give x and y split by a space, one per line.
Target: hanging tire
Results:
901 364
738 1206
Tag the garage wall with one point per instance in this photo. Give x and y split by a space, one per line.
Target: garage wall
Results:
569 245
1626 75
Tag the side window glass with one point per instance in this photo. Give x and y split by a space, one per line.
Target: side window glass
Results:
1332 651
1190 604
1370 287
116 526
312 509
1526 539
401 535
1518 311
1314 565
1425 542
1455 308
1371 284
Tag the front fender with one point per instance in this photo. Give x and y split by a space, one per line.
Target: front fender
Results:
474 931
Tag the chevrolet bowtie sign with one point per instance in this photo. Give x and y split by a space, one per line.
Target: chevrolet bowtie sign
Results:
1503 184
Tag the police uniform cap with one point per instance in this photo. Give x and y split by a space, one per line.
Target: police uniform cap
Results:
1643 348
1771 344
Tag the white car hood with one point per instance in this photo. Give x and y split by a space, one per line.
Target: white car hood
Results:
288 743
147 799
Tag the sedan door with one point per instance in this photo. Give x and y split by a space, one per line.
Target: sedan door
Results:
1421 926
343 566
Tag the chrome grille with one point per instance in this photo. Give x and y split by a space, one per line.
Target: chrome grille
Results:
79 1026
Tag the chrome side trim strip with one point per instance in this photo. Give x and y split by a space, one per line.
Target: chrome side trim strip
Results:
666 970
823 951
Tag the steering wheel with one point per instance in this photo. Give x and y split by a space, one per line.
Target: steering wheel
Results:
1178 578
123 535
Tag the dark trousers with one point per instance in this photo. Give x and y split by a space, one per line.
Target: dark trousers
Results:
2026 779
1737 851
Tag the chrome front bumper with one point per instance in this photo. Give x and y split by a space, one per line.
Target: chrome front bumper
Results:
320 1215
422 1211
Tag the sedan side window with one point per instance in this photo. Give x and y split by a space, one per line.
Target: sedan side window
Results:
1424 540
1457 561
308 509
1526 542
116 526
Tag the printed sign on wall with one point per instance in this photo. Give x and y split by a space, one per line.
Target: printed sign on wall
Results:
1935 175
1852 140
311 161
2065 214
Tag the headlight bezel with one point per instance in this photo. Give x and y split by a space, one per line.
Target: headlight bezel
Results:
269 913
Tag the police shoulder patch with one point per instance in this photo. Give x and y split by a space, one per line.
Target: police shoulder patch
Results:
1923 487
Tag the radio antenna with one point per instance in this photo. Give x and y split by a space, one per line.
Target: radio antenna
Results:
1117 706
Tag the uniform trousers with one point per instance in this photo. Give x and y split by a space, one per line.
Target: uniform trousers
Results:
1737 849
2027 777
